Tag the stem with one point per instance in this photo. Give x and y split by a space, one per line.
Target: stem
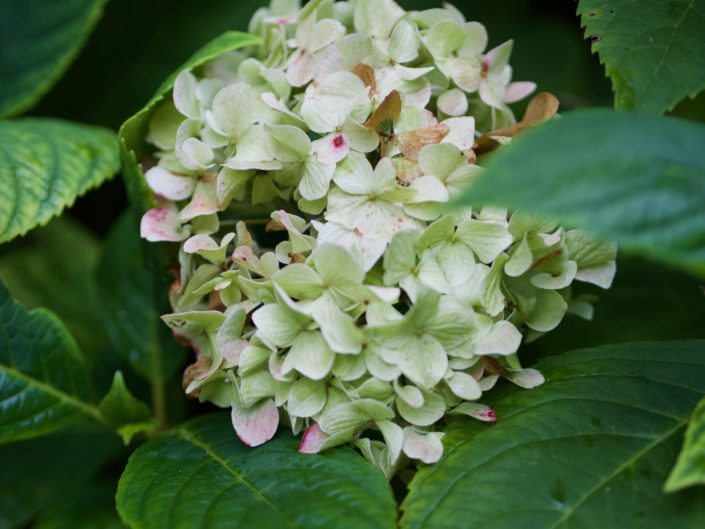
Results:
159 401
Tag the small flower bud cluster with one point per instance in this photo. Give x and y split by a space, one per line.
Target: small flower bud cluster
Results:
364 313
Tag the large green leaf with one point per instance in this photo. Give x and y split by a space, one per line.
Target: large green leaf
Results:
133 297
44 384
71 513
38 41
44 165
202 476
636 179
593 445
133 131
652 50
690 468
42 473
52 267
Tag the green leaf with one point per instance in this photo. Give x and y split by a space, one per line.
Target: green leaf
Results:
595 442
41 473
44 384
38 41
128 415
44 165
201 475
653 50
690 467
71 513
47 268
134 130
638 180
133 297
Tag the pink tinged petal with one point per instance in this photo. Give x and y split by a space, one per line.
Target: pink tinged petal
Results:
425 447
313 440
330 149
162 224
527 378
169 185
255 425
203 202
420 98
481 412
518 91
301 68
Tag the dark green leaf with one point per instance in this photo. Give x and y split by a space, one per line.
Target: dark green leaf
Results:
635 179
73 514
690 467
594 444
44 165
132 299
44 384
652 50
133 131
40 473
202 476
128 415
38 41
52 267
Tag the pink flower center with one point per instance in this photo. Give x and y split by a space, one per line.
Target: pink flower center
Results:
338 141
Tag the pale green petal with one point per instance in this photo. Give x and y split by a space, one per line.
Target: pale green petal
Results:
421 359
184 95
491 295
230 108
256 387
441 230
339 96
301 68
498 57
366 251
208 248
351 416
349 367
464 386
394 438
444 38
486 239
462 132
520 260
355 175
306 398
360 138
315 179
252 358
339 330
432 410
376 17
400 257
526 378
410 395
466 72
288 143
596 259
354 48
310 356
557 277
502 339
336 266
404 43
475 39
300 281
231 184
440 159
277 325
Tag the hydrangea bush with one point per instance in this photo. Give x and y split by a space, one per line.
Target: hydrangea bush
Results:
324 283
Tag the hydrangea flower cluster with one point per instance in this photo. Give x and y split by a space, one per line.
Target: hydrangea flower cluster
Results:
322 283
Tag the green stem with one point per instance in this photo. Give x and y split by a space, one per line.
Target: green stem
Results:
159 401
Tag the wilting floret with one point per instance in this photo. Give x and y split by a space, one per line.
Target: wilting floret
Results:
376 314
